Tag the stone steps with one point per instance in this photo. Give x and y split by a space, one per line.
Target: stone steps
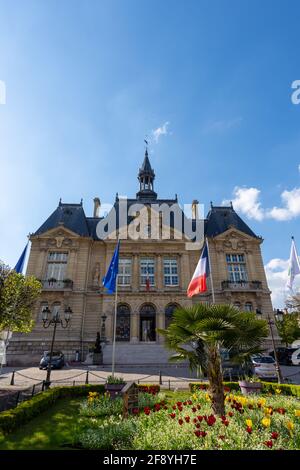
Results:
136 354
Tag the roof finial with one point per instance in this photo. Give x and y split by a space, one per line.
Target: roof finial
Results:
211 204
59 201
147 143
81 201
231 205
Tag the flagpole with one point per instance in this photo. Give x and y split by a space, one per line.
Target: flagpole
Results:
115 330
210 272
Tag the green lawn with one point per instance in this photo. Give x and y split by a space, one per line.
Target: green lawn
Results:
53 429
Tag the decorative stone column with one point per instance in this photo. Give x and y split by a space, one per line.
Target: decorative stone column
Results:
160 319
135 273
159 272
134 327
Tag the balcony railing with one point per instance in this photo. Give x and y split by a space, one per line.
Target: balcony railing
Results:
55 284
241 285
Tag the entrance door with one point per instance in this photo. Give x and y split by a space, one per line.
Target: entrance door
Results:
147 323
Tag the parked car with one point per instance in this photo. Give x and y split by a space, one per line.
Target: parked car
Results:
284 355
58 360
264 367
296 357
232 370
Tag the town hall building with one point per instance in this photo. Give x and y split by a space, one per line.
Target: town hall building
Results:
71 252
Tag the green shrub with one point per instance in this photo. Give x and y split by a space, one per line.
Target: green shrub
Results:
113 433
25 411
286 389
267 387
193 386
102 405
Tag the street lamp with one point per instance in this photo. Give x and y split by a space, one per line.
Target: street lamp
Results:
55 320
103 336
277 367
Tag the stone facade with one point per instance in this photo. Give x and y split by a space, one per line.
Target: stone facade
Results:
80 261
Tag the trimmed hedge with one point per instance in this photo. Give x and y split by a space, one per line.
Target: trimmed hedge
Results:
11 419
286 389
193 386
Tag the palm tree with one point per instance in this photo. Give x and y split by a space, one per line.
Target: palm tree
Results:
197 334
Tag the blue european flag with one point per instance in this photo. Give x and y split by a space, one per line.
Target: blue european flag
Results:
20 264
109 281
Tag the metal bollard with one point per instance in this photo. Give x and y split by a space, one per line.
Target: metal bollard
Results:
73 383
169 384
33 390
87 377
160 378
12 381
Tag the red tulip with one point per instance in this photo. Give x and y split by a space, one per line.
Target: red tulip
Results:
249 429
180 421
200 418
225 422
187 419
274 435
194 409
269 444
198 425
197 433
172 415
230 414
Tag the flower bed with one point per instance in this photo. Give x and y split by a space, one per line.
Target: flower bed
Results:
259 422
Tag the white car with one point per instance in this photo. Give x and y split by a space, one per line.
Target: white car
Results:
264 367
296 357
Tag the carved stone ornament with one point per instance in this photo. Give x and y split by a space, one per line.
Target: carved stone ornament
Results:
59 241
96 275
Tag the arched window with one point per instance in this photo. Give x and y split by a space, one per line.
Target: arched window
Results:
237 305
147 323
40 312
169 310
248 307
123 323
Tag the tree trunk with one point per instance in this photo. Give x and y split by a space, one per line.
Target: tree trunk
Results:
215 377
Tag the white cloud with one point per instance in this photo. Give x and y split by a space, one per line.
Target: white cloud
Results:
220 126
299 167
163 130
291 201
277 273
246 201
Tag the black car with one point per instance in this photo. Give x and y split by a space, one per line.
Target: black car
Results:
284 355
58 360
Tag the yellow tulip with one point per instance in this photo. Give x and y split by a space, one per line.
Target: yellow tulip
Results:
278 391
266 422
249 423
290 425
297 413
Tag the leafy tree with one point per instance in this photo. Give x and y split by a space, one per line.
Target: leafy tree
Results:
197 334
289 327
17 297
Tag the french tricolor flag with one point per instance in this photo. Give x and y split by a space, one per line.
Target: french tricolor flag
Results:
198 282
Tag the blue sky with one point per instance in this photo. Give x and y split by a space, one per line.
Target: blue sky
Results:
86 81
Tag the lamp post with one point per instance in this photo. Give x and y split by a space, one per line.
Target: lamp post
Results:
103 335
277 367
55 320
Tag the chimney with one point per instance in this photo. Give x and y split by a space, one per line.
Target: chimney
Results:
97 205
195 213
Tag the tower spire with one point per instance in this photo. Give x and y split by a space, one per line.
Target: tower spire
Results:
146 178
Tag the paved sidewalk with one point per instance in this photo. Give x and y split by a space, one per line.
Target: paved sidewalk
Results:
173 377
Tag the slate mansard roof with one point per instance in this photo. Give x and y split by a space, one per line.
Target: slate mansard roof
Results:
72 216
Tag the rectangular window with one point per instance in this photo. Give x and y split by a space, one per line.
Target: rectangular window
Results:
170 272
56 266
236 266
124 277
147 271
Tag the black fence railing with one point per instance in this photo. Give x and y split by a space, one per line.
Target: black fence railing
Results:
11 399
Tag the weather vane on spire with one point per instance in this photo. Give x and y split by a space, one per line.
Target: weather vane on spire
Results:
146 142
